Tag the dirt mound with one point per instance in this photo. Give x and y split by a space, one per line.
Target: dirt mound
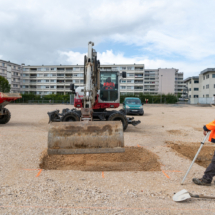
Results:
133 159
189 150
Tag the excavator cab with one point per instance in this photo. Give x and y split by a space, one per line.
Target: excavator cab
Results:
109 87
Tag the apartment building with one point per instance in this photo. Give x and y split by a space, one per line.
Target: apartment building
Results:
44 80
11 72
157 81
56 79
201 89
192 85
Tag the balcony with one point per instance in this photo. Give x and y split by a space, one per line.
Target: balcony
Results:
139 90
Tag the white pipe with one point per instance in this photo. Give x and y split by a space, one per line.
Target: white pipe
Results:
90 45
88 78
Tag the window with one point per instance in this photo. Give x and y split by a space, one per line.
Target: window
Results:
196 82
207 95
138 88
60 69
76 69
203 87
122 87
196 89
130 74
53 81
207 76
207 86
3 64
52 86
189 96
78 75
213 75
138 68
138 75
54 69
130 81
196 96
214 85
130 87
130 68
190 82
189 89
44 69
203 77
123 81
47 80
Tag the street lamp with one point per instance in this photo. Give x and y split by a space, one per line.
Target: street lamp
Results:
161 89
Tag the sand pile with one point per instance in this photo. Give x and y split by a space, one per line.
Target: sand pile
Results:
134 159
189 150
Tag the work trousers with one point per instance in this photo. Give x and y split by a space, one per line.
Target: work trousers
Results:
210 171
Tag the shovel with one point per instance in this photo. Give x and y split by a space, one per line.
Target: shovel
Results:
202 143
183 195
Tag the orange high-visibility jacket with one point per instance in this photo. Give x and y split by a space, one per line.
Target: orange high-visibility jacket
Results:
109 85
211 127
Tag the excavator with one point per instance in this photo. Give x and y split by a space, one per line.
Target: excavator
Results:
91 129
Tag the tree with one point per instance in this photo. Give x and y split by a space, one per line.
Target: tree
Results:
4 85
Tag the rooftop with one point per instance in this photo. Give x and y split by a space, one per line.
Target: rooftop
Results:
207 70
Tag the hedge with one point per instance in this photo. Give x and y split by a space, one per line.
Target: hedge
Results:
166 98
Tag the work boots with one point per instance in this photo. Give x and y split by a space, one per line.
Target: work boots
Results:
201 181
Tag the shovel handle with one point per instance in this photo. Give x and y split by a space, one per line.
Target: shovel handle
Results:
202 196
202 143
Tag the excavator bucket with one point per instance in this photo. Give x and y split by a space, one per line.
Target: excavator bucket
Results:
85 137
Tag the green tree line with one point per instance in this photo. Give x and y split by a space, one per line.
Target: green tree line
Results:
166 98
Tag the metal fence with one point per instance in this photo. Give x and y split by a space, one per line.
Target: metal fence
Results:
48 102
201 100
206 101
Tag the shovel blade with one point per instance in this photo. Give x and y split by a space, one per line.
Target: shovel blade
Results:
181 196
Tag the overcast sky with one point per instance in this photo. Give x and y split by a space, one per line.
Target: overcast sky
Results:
160 34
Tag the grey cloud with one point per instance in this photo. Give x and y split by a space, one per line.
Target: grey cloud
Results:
35 35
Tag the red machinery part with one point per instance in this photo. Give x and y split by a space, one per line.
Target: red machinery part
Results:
9 97
78 103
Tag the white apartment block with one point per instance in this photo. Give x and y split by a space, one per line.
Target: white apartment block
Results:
56 79
201 89
44 80
157 81
11 72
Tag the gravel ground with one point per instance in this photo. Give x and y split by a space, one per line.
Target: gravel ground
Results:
25 189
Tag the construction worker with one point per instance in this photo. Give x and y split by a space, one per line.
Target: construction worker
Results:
108 85
210 171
